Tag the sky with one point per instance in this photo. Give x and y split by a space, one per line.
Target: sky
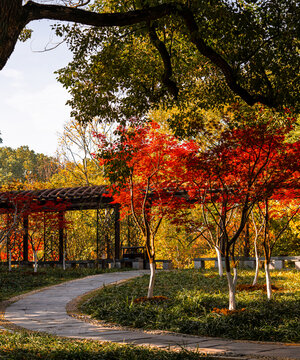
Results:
32 102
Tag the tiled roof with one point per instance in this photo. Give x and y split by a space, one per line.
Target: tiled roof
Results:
87 197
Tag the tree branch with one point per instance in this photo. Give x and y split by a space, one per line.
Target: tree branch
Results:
161 47
35 11
220 62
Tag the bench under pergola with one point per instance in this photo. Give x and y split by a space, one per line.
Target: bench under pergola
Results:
69 199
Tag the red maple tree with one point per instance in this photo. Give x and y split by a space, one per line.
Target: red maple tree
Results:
247 166
147 171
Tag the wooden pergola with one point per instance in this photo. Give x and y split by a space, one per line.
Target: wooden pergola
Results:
71 198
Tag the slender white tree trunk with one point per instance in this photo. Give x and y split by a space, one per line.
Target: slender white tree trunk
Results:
231 288
9 260
151 281
234 277
220 264
255 249
256 264
35 261
268 281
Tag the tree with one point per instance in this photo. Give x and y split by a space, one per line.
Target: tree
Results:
245 167
24 165
146 170
77 144
252 46
269 212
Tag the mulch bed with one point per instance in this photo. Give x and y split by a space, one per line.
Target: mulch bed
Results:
249 287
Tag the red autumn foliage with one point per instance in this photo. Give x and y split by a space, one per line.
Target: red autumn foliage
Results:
20 206
147 171
247 166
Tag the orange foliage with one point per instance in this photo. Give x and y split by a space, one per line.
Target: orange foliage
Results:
227 312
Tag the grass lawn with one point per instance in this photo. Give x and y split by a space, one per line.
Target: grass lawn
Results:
32 347
192 296
23 346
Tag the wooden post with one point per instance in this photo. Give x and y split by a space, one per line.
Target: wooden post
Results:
117 231
7 238
97 235
25 239
64 260
9 260
44 236
108 247
61 236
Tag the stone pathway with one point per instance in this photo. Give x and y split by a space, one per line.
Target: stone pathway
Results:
46 311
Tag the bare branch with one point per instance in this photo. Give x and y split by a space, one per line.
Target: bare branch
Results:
49 48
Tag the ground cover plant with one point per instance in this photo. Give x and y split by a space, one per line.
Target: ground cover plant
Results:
193 300
22 345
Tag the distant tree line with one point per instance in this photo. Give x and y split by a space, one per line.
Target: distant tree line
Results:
25 165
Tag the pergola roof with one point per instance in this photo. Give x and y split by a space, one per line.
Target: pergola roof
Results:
73 198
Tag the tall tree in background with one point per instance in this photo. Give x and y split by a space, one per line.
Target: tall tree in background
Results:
76 147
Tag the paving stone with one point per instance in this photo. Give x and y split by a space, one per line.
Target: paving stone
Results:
293 352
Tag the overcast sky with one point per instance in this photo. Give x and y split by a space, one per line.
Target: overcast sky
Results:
32 102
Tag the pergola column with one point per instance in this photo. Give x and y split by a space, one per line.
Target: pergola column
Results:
61 247
117 231
97 233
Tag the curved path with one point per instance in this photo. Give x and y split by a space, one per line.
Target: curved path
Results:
46 311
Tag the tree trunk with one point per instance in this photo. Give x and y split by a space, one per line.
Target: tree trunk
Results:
268 280
220 264
234 277
152 278
247 241
12 21
231 288
35 267
256 264
64 261
267 251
